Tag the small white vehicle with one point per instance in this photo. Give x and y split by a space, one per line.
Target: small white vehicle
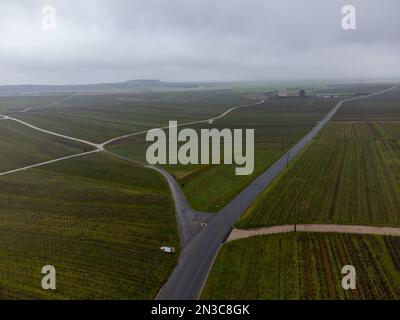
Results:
168 249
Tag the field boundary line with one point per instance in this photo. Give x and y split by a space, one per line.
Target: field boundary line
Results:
238 234
191 272
97 146
101 146
209 120
48 162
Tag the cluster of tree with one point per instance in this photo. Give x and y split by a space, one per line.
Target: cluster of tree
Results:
302 93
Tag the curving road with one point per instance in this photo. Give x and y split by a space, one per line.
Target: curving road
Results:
101 146
198 254
202 234
189 220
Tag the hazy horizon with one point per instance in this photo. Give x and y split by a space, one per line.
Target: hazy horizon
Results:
332 81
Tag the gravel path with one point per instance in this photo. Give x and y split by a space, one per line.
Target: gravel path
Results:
237 234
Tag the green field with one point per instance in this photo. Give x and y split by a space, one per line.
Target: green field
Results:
278 124
352 88
19 103
22 146
100 221
99 118
305 266
350 175
208 187
383 108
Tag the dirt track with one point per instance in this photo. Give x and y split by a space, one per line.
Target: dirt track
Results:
246 233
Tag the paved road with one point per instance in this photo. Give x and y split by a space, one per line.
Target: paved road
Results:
189 220
101 146
197 256
237 234
201 244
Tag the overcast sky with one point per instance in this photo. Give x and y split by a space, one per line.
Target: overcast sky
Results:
197 40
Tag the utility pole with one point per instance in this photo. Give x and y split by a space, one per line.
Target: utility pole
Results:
289 182
297 199
296 208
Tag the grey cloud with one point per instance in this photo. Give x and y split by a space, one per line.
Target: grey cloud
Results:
104 40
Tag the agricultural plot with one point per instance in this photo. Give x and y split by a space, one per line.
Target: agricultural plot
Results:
305 266
99 220
22 146
380 108
353 88
278 124
348 175
99 118
21 103
211 187
208 187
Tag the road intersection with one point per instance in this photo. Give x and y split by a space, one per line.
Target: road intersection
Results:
202 234
197 257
